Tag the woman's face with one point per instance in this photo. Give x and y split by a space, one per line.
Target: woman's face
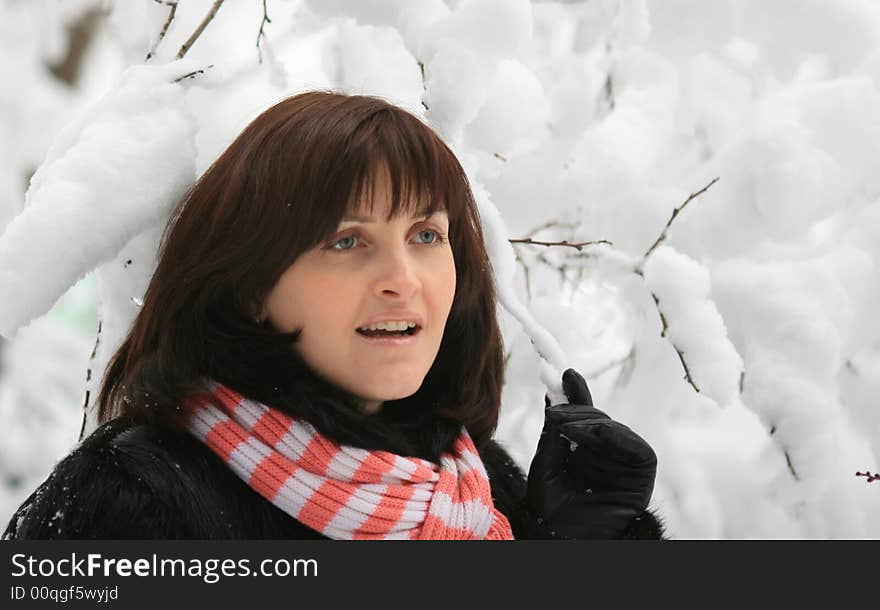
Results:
369 272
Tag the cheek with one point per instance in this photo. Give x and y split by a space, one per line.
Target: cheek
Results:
446 282
451 283
315 300
329 303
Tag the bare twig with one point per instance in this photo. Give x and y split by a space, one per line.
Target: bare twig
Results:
662 317
260 34
564 242
675 213
195 35
640 272
687 372
193 73
562 267
526 272
871 477
172 4
609 92
88 379
637 270
787 456
791 466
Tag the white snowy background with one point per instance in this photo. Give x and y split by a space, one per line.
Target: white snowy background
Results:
578 121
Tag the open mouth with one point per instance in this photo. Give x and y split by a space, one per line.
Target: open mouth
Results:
380 333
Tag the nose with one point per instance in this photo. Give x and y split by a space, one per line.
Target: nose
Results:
397 276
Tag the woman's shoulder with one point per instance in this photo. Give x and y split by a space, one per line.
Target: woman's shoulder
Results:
119 482
132 480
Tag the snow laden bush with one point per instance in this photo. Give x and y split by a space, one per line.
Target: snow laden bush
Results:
731 326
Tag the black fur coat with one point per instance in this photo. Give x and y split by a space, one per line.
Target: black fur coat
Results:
136 480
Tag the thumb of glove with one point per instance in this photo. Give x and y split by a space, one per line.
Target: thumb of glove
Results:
575 388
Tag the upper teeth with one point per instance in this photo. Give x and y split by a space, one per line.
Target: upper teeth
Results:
389 326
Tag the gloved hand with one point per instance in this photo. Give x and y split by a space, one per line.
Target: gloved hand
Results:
590 475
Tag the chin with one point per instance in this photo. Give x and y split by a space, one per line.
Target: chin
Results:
396 391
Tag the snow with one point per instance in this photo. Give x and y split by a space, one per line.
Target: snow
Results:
574 121
372 60
109 174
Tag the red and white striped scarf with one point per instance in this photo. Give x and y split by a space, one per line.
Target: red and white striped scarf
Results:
347 492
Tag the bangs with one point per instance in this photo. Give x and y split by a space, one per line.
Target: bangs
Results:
422 173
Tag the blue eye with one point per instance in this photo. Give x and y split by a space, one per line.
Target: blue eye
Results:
426 237
348 239
430 232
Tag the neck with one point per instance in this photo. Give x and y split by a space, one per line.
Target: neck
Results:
371 407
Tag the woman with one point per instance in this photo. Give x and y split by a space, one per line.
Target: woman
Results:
317 355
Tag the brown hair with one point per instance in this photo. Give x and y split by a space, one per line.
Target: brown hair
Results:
281 188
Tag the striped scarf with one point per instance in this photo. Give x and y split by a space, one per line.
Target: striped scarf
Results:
346 492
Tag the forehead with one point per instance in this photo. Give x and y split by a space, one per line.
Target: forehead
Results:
386 201
380 194
365 215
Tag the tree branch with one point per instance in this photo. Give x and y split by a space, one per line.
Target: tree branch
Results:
609 91
638 271
195 35
579 245
687 372
791 466
172 4
260 34
424 86
674 214
193 73
88 379
871 477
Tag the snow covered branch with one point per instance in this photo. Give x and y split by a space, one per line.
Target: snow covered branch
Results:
635 267
663 333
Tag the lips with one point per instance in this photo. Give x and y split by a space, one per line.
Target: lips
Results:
393 316
392 340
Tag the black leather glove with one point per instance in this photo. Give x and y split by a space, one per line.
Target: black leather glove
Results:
591 476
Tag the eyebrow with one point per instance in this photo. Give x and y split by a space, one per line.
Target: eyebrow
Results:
423 213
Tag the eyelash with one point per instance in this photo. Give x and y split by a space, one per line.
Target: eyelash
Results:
441 239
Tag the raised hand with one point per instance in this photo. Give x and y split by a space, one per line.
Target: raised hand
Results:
591 475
